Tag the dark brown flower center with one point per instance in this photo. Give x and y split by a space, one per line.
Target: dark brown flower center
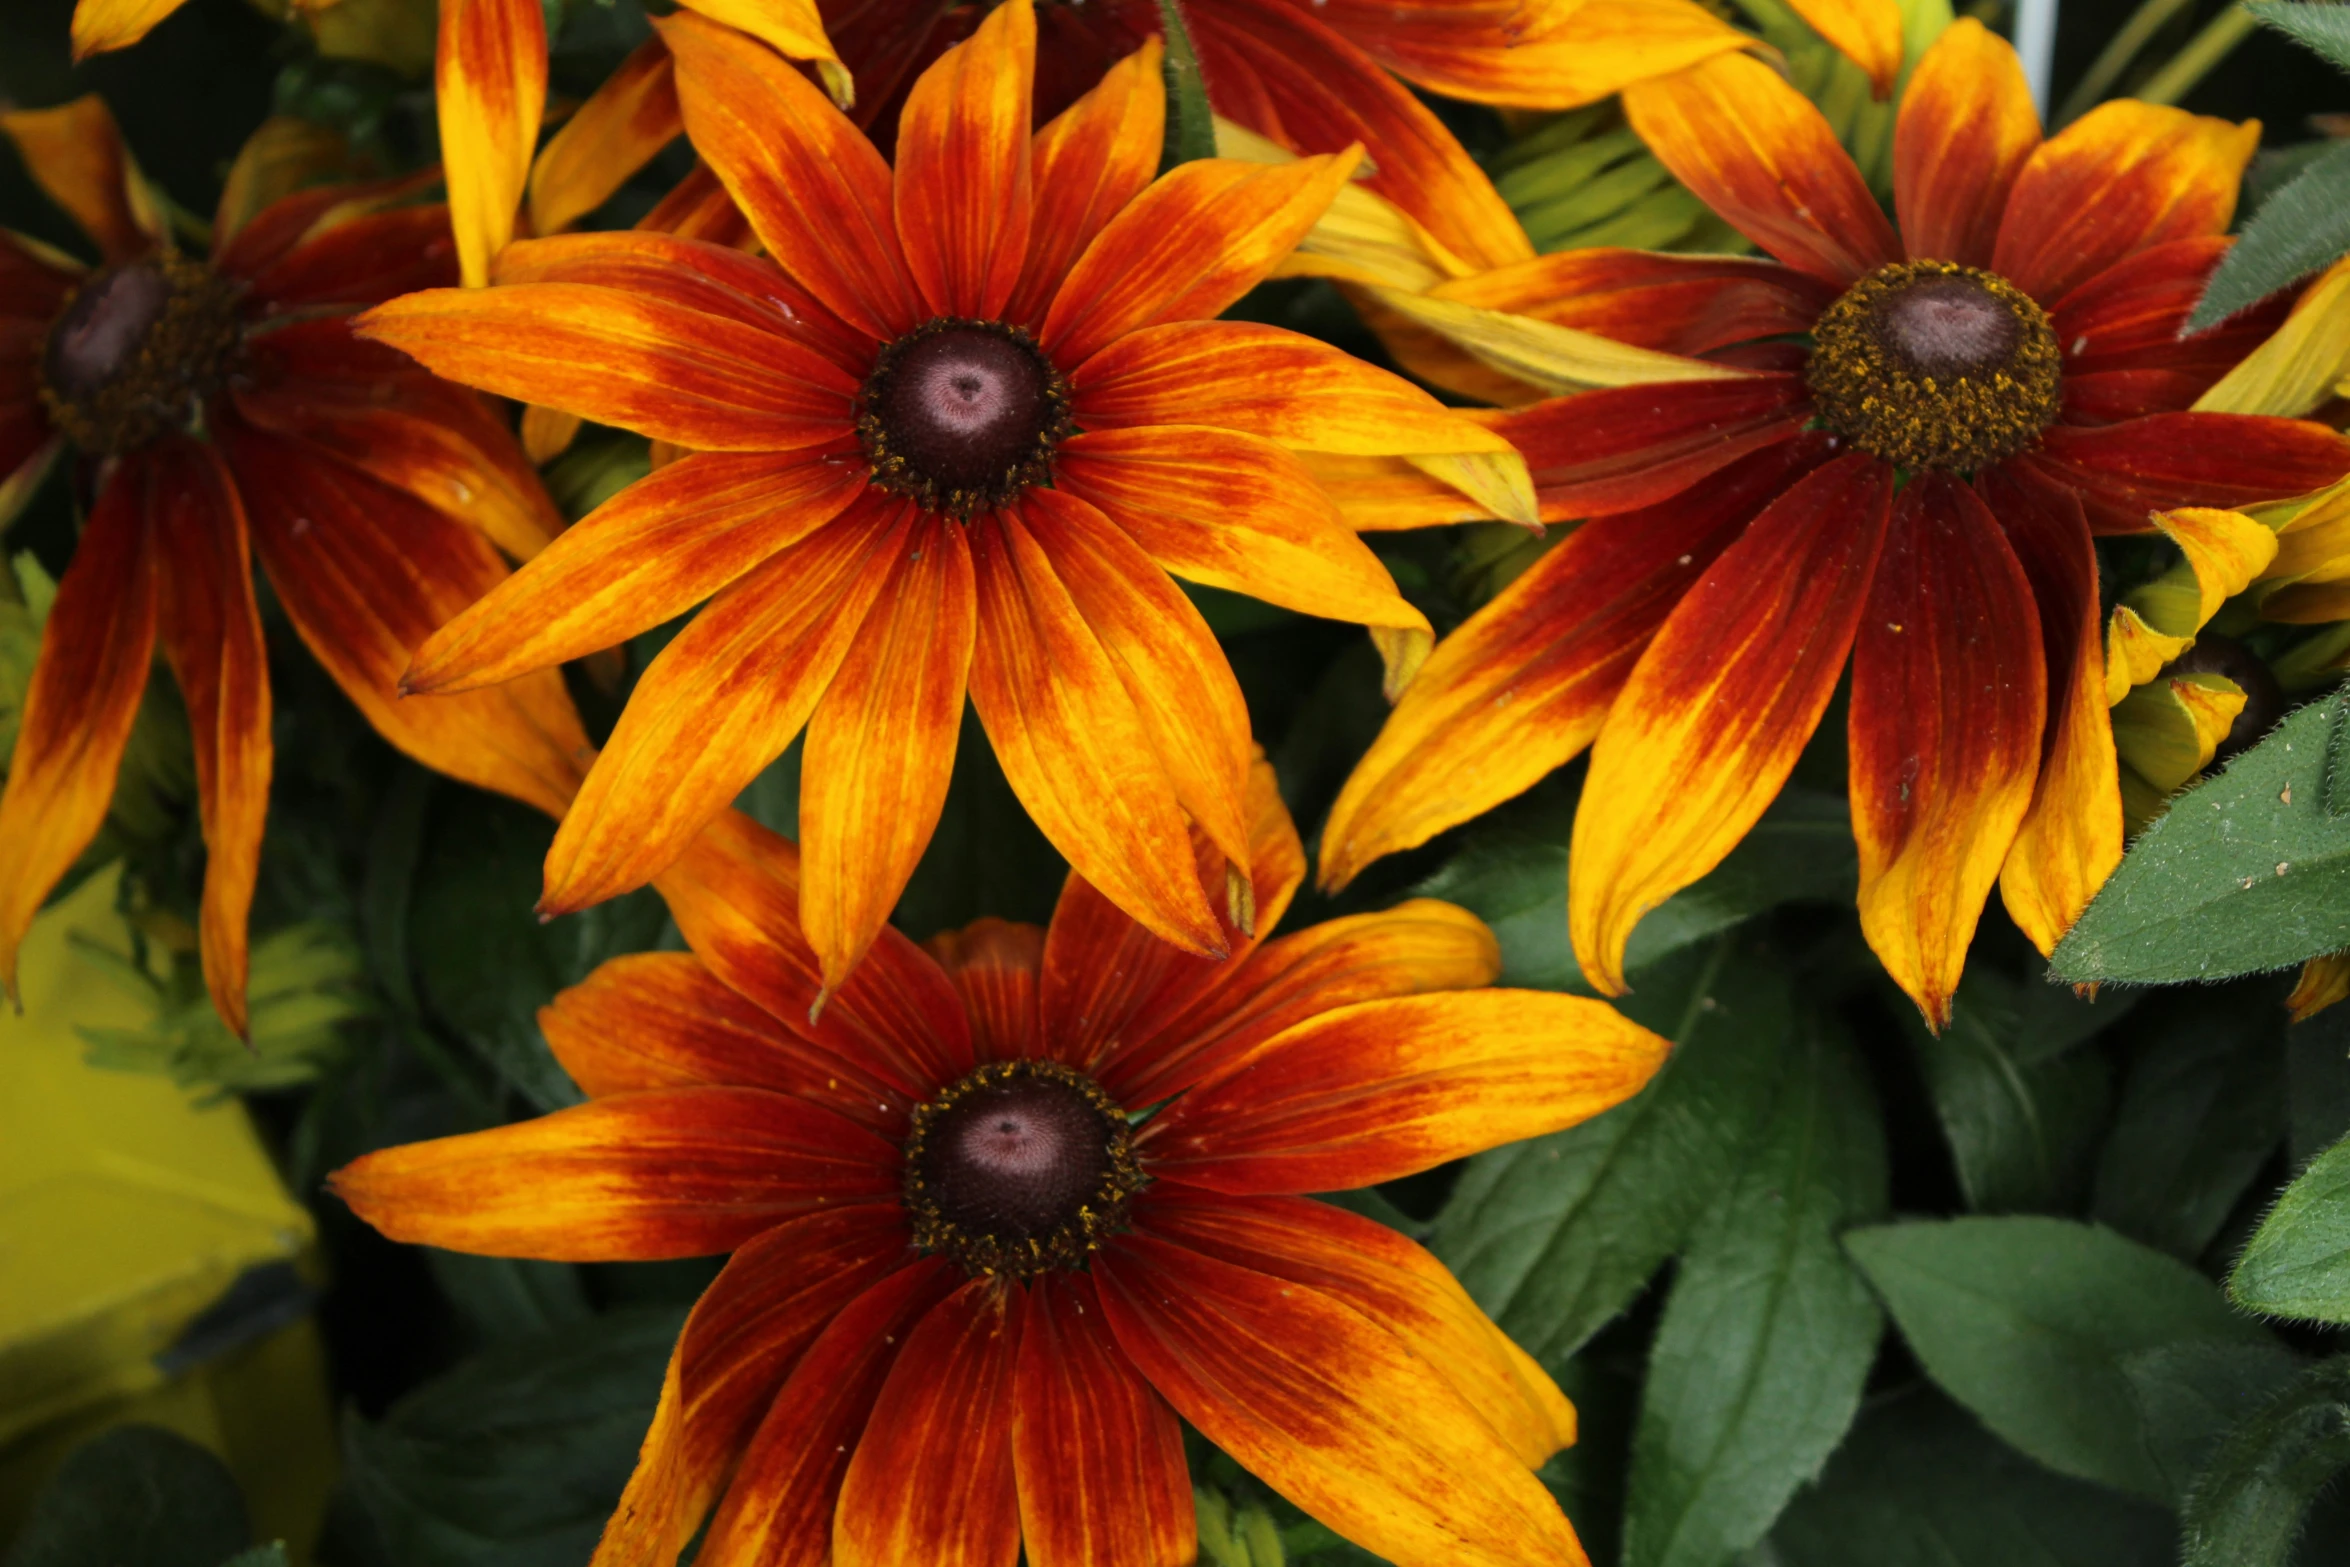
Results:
1929 364
962 415
138 350
1020 1167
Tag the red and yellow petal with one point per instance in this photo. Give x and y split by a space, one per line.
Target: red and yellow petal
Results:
1866 32
1966 129
620 128
1381 1089
75 153
1548 57
1948 702
813 187
994 965
490 88
1688 305
363 260
2126 472
932 1478
284 154
678 1172
1329 1408
1088 163
210 628
1756 151
1627 447
646 556
2122 178
721 701
1720 705
101 25
87 680
636 360
1096 1453
881 747
962 183
1071 743
1204 234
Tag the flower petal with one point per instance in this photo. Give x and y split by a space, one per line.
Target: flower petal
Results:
101 25
1364 1264
746 1334
1965 131
781 1501
75 153
1755 150
1071 743
1627 447
1264 381
622 126
1720 705
490 87
720 702
646 556
1381 1089
962 183
1525 683
2121 178
1949 699
931 1480
1536 57
635 360
1097 1455
365 572
1866 32
881 747
994 966
84 694
1090 161
1204 234
816 192
210 628
364 259
1235 512
735 894
2126 472
664 1020
677 1172
284 154
1328 1408
1672 304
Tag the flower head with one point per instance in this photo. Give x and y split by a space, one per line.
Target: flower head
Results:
952 433
221 409
1015 1204
1899 449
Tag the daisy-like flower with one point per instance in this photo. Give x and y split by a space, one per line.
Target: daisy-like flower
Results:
1017 1203
221 409
952 433
1915 487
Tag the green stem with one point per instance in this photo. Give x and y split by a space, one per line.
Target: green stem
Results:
2134 35
2190 65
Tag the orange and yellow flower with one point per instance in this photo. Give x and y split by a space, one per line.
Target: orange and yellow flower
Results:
1916 489
952 433
973 1287
220 409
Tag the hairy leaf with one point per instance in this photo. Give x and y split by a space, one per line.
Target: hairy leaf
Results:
1191 125
2298 1262
2247 1508
2303 227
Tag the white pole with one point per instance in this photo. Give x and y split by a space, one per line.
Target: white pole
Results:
2035 41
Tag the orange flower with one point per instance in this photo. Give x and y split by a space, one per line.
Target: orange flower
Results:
876 409
221 408
2014 351
971 1290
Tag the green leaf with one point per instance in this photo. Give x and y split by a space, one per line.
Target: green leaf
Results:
517 1457
2247 1507
137 1496
1191 125
503 1299
2189 1395
2322 27
1769 1333
1920 1484
2020 1111
2317 1072
2202 1109
271 1555
2303 227
2029 1322
2247 871
2298 1262
1555 1235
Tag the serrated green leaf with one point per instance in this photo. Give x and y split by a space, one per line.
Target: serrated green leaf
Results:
2322 27
2248 1505
2298 1261
2020 1111
134 1495
1921 1484
2303 227
1191 125
2028 1321
2246 872
1768 1333
1555 1235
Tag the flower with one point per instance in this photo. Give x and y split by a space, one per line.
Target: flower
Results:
490 92
1016 1203
220 409
1982 391
876 409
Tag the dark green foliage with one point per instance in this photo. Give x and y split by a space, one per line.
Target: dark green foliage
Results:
2247 1508
138 1496
2298 1264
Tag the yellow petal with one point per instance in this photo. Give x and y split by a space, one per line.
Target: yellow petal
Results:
1558 359
2169 731
1362 238
2135 652
2298 367
2325 979
100 25
2225 551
